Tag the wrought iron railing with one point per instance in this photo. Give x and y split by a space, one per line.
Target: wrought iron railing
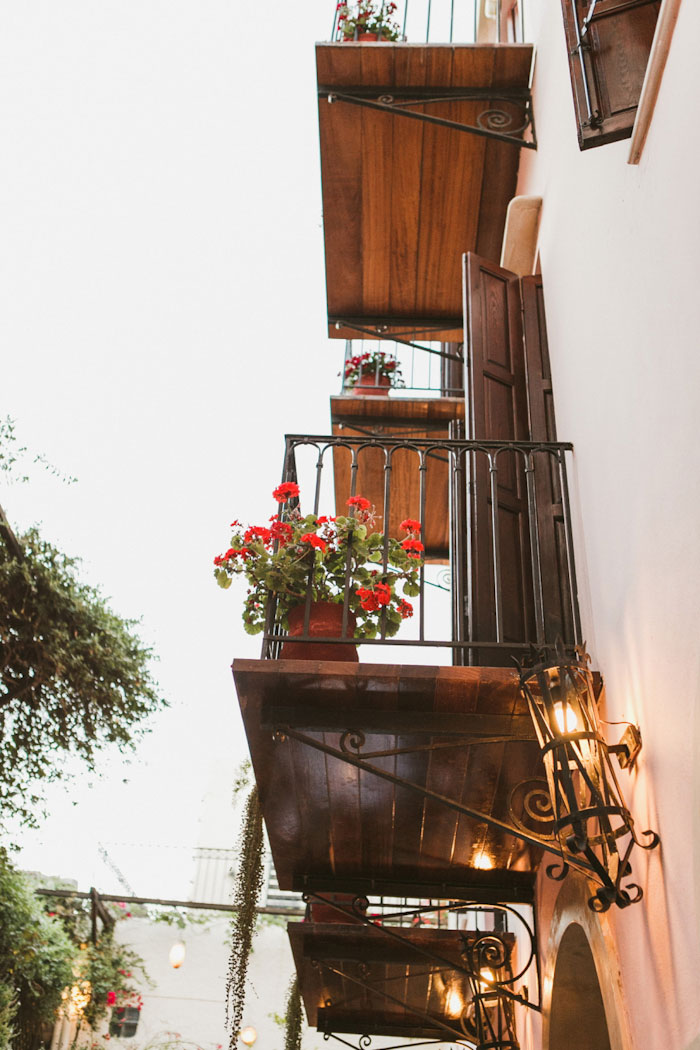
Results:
496 512
430 369
450 21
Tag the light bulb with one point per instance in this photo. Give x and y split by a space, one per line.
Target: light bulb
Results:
483 861
176 957
454 1003
566 718
248 1035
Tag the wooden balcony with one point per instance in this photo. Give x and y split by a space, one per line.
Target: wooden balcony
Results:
404 198
400 417
394 780
354 978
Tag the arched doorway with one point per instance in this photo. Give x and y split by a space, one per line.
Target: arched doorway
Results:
577 1016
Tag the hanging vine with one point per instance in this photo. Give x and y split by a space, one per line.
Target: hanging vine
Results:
249 881
293 1018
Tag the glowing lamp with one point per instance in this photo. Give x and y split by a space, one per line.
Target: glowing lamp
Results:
248 1035
176 956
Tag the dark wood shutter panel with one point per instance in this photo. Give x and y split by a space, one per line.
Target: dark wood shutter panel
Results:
607 72
497 409
558 620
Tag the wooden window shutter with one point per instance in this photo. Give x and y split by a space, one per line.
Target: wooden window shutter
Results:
608 58
497 409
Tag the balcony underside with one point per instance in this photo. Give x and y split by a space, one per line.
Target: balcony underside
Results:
463 733
403 199
347 974
399 417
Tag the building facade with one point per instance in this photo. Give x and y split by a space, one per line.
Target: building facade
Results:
479 840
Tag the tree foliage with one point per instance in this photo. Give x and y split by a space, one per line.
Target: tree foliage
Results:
73 675
36 960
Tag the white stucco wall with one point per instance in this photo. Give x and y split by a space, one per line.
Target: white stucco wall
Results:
189 1002
619 249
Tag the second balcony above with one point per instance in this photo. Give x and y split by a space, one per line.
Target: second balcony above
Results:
419 156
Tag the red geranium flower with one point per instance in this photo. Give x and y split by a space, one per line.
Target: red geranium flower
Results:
405 608
314 540
111 998
412 547
368 599
234 524
282 531
360 502
383 593
287 490
410 525
257 532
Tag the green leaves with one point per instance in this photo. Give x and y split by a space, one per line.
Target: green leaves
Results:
73 675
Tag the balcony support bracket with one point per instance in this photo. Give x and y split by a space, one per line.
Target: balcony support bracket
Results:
492 123
536 799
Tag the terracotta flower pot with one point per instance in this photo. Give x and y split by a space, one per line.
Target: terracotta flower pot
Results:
362 38
325 621
369 385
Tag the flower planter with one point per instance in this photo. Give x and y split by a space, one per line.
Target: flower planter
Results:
325 621
369 385
322 912
362 38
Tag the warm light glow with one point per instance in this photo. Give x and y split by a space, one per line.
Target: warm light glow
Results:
488 975
76 1000
566 718
176 957
454 1004
248 1035
482 861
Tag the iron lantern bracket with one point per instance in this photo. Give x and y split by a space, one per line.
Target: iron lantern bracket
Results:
397 101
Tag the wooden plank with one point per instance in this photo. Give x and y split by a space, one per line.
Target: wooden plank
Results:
415 194
379 411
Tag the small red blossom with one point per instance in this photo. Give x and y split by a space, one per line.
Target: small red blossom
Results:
286 491
234 525
368 599
383 593
282 531
314 540
218 560
411 546
405 608
410 525
360 502
111 998
257 532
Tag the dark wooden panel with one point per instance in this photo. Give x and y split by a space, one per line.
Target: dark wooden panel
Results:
402 200
614 63
497 411
328 821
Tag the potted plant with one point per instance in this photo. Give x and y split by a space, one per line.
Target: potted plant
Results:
372 374
368 20
329 561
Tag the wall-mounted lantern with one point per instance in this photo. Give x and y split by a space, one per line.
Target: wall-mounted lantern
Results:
589 816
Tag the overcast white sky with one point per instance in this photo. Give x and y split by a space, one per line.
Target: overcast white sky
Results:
162 304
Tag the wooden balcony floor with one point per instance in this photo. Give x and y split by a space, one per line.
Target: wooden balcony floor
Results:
336 1002
334 826
403 199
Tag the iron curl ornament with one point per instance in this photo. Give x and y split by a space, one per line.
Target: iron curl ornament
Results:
588 815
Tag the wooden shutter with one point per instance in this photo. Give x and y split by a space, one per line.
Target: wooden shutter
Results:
558 619
608 64
497 409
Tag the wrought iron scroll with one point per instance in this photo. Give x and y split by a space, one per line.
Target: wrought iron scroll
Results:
486 1015
587 813
494 122
354 740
